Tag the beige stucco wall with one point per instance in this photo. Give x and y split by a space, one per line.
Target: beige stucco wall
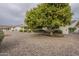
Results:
77 29
65 30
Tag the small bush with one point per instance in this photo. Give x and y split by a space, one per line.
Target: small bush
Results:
57 31
40 30
1 36
72 29
29 30
21 30
25 30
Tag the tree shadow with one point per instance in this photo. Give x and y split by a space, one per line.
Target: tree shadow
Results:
7 46
47 35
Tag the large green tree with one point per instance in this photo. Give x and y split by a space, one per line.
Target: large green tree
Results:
49 15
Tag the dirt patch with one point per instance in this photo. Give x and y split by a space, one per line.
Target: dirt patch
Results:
33 44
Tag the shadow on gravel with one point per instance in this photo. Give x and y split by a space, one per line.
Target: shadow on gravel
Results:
8 46
47 35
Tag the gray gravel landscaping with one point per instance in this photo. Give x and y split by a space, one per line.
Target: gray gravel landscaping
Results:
33 44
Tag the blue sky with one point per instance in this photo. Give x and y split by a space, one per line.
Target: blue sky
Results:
14 14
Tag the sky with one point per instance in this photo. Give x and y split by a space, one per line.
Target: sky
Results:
75 11
14 13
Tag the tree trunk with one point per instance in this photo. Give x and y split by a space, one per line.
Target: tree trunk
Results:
51 33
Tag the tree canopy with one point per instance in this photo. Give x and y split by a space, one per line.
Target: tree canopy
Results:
50 15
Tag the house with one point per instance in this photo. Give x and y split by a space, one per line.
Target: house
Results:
73 24
65 29
9 27
5 27
77 27
15 28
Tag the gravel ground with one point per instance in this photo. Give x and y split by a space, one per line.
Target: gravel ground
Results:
32 44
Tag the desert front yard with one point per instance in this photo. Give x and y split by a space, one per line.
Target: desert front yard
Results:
17 43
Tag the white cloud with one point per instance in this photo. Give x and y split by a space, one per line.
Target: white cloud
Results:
14 13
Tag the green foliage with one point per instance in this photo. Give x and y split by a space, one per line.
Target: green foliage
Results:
39 31
21 30
25 30
50 15
1 36
57 31
72 29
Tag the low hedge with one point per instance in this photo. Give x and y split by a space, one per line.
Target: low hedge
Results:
21 30
58 33
39 31
72 29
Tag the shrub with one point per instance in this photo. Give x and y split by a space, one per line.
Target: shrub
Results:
1 36
21 30
39 30
72 29
25 30
57 31
29 30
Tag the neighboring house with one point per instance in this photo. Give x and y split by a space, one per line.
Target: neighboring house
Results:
11 27
15 28
77 27
5 27
65 29
74 23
